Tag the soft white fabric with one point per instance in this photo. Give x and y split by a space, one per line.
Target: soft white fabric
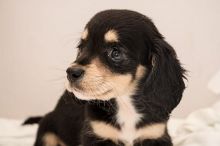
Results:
200 128
13 134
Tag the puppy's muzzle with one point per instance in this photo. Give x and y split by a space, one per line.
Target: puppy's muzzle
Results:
74 73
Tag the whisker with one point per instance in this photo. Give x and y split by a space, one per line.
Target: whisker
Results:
61 78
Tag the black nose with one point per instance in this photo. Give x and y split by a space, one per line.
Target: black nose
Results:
74 73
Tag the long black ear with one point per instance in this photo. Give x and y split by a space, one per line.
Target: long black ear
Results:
165 83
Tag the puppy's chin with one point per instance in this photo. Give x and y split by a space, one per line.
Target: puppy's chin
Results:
84 96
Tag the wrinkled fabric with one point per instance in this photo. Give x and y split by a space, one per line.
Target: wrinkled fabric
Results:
200 128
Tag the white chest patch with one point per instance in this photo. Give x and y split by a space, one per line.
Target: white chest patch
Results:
127 117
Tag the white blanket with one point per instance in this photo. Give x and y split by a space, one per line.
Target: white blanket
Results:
13 134
200 128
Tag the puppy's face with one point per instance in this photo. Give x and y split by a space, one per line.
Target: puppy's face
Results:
110 58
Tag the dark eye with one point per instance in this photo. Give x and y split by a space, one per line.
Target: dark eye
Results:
116 54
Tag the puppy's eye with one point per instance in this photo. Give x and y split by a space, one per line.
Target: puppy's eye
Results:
116 54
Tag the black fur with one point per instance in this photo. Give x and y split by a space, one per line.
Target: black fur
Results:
66 121
32 120
158 93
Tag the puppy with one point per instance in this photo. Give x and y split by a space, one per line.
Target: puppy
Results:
121 88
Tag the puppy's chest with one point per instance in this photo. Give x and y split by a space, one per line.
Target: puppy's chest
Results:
127 117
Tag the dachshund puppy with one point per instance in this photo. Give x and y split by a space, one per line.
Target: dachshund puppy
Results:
121 88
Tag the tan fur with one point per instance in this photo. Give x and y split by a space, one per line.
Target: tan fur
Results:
141 70
51 139
152 131
107 131
100 83
111 36
85 34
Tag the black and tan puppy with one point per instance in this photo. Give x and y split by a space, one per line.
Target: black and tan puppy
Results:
121 88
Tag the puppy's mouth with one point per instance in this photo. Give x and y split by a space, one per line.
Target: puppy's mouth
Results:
87 92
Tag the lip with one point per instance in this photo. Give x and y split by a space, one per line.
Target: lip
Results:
79 89
75 87
84 93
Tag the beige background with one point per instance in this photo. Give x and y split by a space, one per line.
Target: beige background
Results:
38 39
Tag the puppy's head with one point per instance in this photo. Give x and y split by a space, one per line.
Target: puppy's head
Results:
120 50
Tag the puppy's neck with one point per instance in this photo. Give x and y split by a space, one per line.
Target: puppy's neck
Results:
127 117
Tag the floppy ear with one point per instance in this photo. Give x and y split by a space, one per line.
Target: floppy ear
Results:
165 82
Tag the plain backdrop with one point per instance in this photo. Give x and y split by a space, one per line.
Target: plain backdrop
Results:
38 39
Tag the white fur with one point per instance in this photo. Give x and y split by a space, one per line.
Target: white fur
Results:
127 117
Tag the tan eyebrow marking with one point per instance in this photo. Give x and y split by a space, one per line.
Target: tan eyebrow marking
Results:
140 72
85 34
111 36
